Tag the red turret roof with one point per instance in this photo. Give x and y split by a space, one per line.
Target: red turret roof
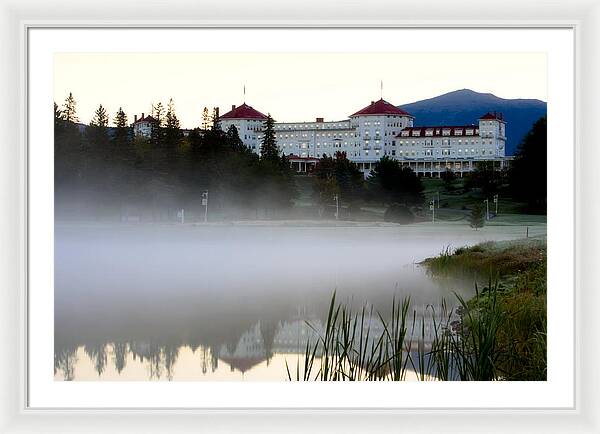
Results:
243 112
381 107
493 116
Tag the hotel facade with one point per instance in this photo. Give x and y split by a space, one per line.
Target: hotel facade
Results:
380 129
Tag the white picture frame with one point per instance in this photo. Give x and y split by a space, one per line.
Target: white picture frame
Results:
17 17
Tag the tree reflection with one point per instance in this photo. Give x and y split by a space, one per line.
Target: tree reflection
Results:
120 350
65 360
170 356
97 354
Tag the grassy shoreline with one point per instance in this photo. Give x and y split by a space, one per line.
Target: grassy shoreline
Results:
500 333
517 283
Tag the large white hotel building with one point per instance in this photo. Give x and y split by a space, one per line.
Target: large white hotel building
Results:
377 130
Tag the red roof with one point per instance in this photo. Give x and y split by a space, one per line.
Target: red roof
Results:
146 119
493 116
438 131
243 112
381 107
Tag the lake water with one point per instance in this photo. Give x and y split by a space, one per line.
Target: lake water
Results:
184 302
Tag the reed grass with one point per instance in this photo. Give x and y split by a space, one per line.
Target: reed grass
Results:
498 334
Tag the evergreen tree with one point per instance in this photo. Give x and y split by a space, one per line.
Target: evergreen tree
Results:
216 124
69 111
158 112
59 123
476 218
122 136
173 133
268 147
527 175
97 131
205 119
233 138
67 147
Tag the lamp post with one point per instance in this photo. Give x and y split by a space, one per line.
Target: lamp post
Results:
487 209
496 203
337 206
205 203
432 208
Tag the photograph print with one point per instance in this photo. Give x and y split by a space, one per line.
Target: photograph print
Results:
300 216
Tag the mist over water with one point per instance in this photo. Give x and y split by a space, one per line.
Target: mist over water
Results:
231 294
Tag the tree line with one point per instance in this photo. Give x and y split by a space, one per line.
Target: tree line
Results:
103 171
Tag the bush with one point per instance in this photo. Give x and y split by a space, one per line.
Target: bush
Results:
398 213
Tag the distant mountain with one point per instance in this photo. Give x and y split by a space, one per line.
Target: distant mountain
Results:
464 107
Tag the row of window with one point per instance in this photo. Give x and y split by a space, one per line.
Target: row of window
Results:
334 135
443 143
317 126
443 152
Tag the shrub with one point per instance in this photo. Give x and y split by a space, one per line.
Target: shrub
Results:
397 213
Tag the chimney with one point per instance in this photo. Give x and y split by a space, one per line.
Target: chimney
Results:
142 116
319 120
372 102
232 106
134 118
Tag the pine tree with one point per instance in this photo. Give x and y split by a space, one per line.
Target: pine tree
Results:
98 129
121 137
216 124
157 130
172 129
69 111
528 171
100 118
58 121
268 147
233 138
158 112
476 218
205 119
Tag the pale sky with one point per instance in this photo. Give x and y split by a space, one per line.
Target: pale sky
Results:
291 87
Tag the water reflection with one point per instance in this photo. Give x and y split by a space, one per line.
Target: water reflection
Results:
194 303
149 359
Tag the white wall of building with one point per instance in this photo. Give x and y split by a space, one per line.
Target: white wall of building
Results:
367 138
